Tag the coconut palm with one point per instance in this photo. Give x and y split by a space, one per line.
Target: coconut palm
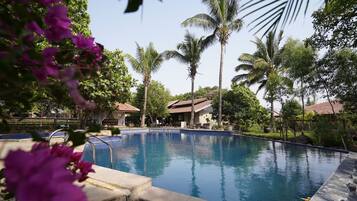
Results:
189 52
222 20
262 68
147 61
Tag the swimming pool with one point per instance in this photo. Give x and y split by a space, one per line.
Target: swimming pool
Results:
216 167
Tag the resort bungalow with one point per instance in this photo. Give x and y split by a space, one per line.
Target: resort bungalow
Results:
325 108
180 112
117 118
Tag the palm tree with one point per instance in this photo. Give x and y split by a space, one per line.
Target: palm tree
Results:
147 61
262 68
222 21
189 52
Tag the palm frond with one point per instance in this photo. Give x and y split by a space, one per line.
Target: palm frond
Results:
173 54
209 40
274 13
246 58
201 20
262 84
246 67
137 67
215 7
232 10
236 25
242 78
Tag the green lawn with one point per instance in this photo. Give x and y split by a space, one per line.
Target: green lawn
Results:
277 136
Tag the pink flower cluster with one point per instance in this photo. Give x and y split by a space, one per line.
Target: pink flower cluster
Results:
46 174
58 28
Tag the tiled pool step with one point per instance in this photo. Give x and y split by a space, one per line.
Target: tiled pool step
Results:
126 186
135 184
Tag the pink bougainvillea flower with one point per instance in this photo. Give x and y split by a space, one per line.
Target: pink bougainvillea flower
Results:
63 151
28 61
83 42
77 97
49 52
33 26
56 34
58 23
85 168
76 156
43 175
49 2
57 17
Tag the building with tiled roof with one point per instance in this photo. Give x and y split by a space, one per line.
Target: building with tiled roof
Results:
325 108
117 118
180 111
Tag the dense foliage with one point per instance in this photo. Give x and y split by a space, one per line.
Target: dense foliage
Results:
291 109
335 25
41 47
157 100
336 75
109 85
201 92
241 107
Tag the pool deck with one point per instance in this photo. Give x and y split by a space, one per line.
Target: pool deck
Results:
335 188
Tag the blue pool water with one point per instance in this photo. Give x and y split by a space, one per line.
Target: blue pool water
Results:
221 168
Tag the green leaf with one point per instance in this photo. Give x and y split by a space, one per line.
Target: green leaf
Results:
77 138
133 6
37 138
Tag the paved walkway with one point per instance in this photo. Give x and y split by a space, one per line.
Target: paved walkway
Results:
335 188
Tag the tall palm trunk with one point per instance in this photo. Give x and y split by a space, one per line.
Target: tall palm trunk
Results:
192 103
144 106
220 86
303 105
272 126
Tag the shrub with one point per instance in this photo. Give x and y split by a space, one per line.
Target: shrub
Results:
95 128
115 131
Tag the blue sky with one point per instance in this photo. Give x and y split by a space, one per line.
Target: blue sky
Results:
159 22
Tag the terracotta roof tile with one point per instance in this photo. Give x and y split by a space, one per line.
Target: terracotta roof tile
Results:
197 107
188 102
325 107
126 107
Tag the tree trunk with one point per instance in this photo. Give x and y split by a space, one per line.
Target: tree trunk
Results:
272 126
303 105
192 121
144 105
220 86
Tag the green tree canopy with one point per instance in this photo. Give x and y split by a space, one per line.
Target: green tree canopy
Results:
240 107
299 60
291 109
157 100
335 25
201 92
336 75
110 84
